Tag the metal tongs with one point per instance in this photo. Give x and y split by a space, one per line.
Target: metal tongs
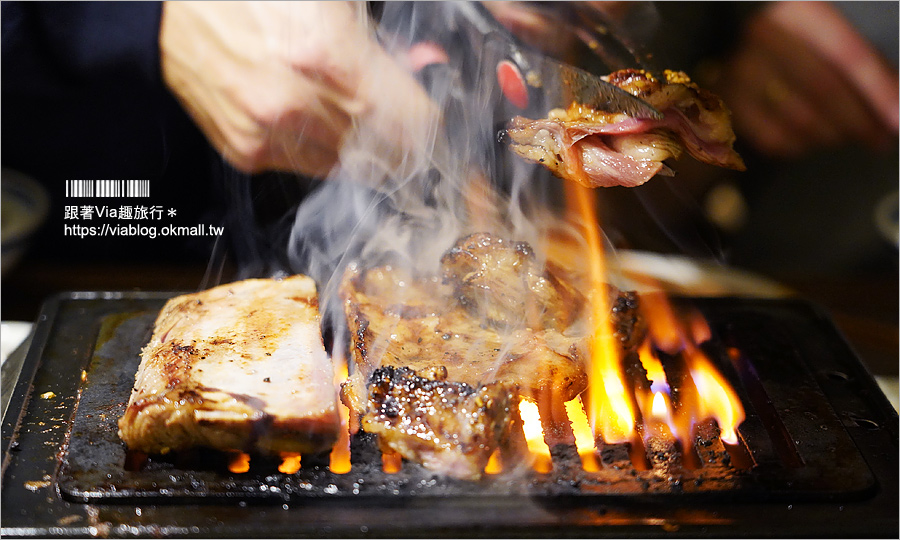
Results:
562 84
616 41
559 83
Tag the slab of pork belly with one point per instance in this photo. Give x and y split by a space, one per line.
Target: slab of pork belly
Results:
240 366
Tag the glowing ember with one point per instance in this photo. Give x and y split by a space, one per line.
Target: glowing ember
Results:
584 436
716 399
239 462
494 466
339 459
610 408
290 463
391 462
534 436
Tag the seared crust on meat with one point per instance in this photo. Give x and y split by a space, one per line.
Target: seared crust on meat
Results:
438 332
475 324
497 325
237 367
503 283
446 426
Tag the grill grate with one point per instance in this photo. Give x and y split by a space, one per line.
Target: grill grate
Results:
783 453
59 432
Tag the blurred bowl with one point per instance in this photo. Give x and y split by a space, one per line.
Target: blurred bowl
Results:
23 208
886 218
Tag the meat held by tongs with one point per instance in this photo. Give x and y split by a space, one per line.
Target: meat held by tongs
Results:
599 149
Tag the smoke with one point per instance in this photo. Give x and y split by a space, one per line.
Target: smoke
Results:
410 183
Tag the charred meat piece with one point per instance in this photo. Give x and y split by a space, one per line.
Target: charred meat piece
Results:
417 338
446 426
597 148
423 323
629 326
240 366
436 331
503 283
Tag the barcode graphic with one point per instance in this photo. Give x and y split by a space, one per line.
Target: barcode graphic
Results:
107 188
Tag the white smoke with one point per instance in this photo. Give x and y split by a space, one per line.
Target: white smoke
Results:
405 194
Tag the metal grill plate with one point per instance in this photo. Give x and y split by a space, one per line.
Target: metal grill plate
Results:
52 449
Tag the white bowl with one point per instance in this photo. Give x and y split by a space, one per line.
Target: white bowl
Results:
23 208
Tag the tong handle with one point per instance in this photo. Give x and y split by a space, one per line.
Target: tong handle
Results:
551 83
617 42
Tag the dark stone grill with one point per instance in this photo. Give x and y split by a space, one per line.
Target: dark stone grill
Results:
819 444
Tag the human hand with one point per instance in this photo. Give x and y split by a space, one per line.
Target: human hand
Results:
279 85
803 78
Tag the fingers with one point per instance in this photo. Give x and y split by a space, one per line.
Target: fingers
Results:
400 121
840 44
425 53
281 85
805 67
755 115
788 93
769 112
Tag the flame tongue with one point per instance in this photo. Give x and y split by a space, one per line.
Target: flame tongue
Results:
704 392
659 409
611 403
613 417
716 399
609 407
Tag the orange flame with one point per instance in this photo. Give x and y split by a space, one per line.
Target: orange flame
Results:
391 462
494 465
662 324
584 436
716 399
659 408
610 408
658 418
290 463
339 459
700 331
239 462
534 436
655 372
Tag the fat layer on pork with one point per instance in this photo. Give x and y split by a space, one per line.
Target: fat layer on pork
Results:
240 366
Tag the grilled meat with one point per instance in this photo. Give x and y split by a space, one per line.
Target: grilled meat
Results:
240 366
449 427
424 323
597 148
437 332
503 283
496 325
629 326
